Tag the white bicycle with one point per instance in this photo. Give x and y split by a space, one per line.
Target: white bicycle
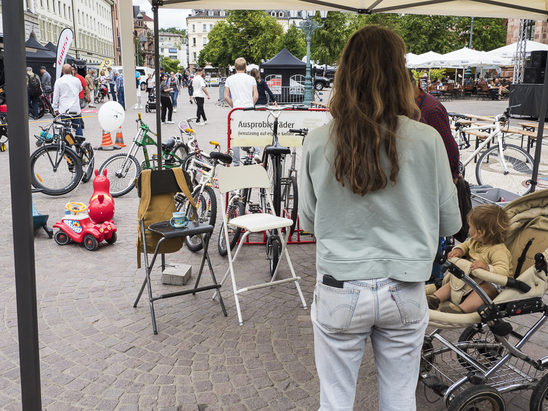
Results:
500 165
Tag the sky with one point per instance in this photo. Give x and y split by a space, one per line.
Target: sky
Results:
168 17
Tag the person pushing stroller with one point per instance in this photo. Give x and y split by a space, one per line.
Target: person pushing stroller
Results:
485 248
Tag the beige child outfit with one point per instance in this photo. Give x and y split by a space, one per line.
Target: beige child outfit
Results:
496 256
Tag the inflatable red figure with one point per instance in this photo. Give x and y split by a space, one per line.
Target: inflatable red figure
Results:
101 203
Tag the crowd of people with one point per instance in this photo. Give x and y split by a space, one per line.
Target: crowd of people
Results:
496 88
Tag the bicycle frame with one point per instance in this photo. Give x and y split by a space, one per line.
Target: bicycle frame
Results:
500 141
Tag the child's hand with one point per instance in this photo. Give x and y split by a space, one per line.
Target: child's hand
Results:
455 252
479 264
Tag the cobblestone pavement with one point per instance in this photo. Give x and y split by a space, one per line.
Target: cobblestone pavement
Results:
98 352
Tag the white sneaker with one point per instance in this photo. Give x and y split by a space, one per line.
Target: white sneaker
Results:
204 123
174 110
169 122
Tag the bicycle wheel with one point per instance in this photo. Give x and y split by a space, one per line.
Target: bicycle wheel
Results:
122 170
205 212
234 210
489 170
41 110
290 201
56 170
273 249
88 161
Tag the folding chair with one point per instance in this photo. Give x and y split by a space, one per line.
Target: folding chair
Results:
253 176
157 190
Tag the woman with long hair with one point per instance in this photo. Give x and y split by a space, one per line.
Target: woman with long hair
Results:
262 89
375 188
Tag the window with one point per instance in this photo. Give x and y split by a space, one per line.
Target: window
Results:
210 27
204 28
210 12
204 41
194 28
222 13
194 55
194 41
273 13
281 14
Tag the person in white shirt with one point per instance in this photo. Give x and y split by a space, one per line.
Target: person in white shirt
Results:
66 96
240 92
200 93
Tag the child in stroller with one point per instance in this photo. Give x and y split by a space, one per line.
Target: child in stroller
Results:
485 248
151 102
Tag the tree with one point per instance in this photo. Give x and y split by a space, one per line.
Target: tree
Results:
488 34
294 41
175 30
169 65
328 41
218 50
251 34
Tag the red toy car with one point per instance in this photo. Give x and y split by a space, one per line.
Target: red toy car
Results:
78 227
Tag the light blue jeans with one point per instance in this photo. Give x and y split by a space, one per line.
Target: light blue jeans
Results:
394 315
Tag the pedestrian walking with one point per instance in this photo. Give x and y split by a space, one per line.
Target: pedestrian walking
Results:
45 79
200 93
34 91
165 100
174 85
120 89
240 92
91 86
375 246
111 83
66 97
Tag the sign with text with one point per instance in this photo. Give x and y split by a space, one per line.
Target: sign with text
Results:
63 46
254 127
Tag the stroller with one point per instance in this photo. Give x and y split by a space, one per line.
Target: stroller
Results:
101 93
150 106
489 357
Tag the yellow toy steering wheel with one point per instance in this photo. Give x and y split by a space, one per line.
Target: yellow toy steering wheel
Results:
75 207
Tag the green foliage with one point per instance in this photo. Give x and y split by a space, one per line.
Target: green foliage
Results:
488 34
251 34
328 41
437 74
169 65
175 30
294 41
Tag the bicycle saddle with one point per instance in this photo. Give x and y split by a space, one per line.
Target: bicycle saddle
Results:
277 150
223 158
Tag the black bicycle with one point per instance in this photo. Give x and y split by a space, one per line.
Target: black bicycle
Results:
62 159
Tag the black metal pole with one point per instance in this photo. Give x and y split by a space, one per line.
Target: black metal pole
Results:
540 130
155 5
21 210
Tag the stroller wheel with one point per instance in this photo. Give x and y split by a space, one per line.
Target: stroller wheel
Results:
478 338
539 397
477 397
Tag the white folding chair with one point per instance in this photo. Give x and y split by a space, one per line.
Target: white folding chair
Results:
253 176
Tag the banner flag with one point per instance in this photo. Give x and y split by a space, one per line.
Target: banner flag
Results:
63 45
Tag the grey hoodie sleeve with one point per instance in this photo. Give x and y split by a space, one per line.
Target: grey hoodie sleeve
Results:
307 197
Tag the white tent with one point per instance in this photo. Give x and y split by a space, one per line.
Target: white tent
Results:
466 57
424 60
509 51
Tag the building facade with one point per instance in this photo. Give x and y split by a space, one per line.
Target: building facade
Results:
173 45
536 31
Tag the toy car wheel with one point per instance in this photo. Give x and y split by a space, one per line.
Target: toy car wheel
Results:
61 238
112 239
90 242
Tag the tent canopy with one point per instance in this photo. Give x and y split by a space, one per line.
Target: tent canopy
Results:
284 60
524 9
509 51
423 60
466 57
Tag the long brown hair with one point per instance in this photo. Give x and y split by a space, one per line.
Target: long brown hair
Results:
371 89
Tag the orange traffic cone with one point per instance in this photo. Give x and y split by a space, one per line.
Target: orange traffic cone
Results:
119 138
107 143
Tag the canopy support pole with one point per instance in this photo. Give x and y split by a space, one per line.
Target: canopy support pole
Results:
155 5
21 211
540 129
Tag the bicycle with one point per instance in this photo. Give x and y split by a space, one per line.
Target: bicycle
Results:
44 106
124 168
62 159
203 193
502 165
